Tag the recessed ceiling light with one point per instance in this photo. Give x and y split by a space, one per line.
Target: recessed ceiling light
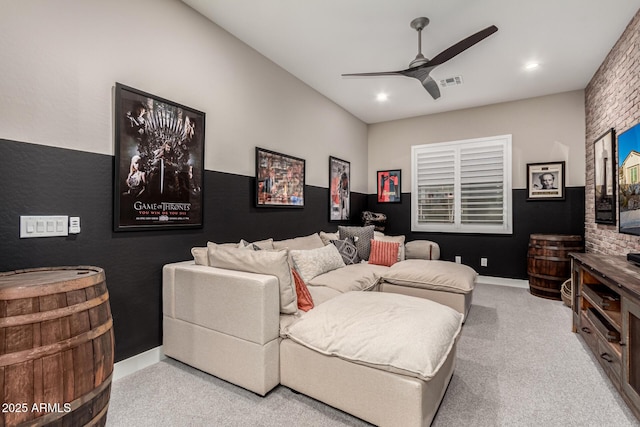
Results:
531 66
381 97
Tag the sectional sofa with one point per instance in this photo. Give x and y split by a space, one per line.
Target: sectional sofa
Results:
365 343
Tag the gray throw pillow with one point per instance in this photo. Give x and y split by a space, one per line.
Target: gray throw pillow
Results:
361 235
348 251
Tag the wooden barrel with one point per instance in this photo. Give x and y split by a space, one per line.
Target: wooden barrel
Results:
56 347
548 262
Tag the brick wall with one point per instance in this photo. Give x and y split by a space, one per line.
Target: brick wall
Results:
612 100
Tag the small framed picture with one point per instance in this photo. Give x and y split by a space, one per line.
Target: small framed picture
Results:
388 187
545 181
280 180
339 189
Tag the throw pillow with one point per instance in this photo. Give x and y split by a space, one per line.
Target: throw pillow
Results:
262 244
362 236
313 262
200 255
328 237
311 241
246 245
347 249
399 239
305 301
383 253
273 263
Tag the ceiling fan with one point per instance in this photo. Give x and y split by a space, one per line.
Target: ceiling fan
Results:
420 67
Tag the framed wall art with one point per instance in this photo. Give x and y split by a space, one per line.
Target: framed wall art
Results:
545 181
388 186
629 180
159 155
279 180
604 178
339 189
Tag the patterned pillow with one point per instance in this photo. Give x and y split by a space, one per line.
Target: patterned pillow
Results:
362 237
348 250
384 253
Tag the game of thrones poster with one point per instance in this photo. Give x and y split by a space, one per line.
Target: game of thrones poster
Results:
159 162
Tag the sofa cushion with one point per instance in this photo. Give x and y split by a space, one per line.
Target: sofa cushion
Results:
305 301
384 253
361 235
422 249
353 277
263 262
393 332
313 262
347 249
437 275
312 241
400 239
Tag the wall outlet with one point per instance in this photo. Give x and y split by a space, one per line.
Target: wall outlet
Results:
483 262
458 259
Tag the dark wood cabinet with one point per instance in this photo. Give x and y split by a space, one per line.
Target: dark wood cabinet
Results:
606 314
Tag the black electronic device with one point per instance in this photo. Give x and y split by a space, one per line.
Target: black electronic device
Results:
634 258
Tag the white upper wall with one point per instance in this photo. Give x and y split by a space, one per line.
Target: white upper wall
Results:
60 61
545 129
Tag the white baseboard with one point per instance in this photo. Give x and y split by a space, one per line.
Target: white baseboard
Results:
501 281
137 362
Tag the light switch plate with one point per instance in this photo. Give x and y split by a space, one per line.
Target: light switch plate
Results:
44 226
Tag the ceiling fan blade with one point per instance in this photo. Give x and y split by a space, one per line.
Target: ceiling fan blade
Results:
461 46
432 87
381 73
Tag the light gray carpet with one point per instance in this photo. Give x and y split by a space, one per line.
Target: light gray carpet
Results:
518 364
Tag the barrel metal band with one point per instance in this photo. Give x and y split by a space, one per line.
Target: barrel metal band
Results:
48 350
41 316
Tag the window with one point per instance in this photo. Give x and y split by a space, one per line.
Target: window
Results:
462 186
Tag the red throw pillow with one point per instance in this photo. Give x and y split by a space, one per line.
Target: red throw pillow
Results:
384 253
305 302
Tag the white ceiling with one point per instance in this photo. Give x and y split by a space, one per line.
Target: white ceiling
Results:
318 40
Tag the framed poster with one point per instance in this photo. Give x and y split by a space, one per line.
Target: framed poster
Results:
545 181
339 189
604 178
629 180
159 155
279 180
388 188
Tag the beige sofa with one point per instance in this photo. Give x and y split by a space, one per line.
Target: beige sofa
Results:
231 324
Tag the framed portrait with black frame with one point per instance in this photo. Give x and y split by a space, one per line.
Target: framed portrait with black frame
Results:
545 181
280 180
159 162
339 189
604 178
388 186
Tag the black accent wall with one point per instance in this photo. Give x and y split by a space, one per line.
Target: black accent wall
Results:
41 180
506 254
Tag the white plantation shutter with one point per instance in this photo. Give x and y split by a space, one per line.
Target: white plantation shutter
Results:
462 186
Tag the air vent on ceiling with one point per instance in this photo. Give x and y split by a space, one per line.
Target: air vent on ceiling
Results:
451 81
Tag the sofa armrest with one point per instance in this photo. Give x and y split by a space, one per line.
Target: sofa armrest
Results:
239 304
422 249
